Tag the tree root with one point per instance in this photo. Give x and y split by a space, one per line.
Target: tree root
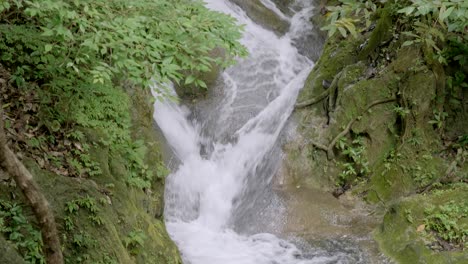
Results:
313 101
24 180
329 149
331 93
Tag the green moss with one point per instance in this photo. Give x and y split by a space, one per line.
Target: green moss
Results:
401 145
335 56
407 241
121 208
381 34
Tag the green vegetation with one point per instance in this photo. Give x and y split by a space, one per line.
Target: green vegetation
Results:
75 79
134 241
343 18
356 164
448 222
411 156
17 229
82 51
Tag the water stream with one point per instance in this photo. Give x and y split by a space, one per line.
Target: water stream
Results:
220 208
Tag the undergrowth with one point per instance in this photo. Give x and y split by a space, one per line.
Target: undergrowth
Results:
448 222
16 227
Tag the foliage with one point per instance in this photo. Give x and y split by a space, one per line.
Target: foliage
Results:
436 22
357 164
439 119
462 141
80 240
78 55
448 222
134 241
17 229
422 176
72 208
139 41
343 18
451 14
401 111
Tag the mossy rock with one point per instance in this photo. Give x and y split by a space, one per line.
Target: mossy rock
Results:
122 209
336 55
284 6
263 16
402 234
381 34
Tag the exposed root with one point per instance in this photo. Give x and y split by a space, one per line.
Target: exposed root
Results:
319 146
329 149
331 93
24 180
313 100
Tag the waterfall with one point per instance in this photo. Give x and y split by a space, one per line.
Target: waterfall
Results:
218 204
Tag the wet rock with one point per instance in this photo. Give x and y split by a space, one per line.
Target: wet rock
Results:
263 16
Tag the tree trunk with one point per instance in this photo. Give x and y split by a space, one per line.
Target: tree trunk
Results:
24 180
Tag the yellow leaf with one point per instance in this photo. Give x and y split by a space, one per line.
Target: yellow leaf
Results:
421 228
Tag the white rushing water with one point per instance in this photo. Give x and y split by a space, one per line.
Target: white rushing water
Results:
222 158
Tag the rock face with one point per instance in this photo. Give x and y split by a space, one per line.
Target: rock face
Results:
379 100
263 16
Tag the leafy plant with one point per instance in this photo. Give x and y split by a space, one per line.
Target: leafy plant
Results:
447 222
401 111
425 34
408 216
422 175
79 56
134 241
436 21
18 230
451 14
343 18
87 203
439 119
357 164
140 41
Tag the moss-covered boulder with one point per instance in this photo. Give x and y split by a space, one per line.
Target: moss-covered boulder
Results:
406 234
368 123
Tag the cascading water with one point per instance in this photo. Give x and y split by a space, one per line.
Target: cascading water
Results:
228 153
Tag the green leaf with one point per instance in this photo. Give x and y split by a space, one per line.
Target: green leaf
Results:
343 32
48 47
190 79
446 13
407 43
407 10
